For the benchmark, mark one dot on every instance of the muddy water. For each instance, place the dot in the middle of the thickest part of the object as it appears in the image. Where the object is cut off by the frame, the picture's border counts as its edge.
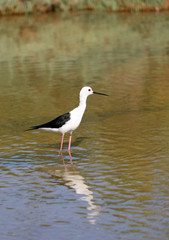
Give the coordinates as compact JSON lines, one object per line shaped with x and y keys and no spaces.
{"x":117,"y":187}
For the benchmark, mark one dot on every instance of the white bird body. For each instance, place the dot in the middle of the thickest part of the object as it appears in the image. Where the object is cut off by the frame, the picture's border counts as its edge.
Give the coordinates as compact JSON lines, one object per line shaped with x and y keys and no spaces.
{"x":75,"y":120}
{"x":70,"y":121}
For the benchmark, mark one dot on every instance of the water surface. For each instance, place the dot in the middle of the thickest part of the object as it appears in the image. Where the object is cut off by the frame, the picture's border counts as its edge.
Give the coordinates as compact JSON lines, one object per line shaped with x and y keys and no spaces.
{"x":117,"y":187}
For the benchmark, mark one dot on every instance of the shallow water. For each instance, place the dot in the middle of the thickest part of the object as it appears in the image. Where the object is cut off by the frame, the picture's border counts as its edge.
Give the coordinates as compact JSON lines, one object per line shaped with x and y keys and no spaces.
{"x":117,"y":187}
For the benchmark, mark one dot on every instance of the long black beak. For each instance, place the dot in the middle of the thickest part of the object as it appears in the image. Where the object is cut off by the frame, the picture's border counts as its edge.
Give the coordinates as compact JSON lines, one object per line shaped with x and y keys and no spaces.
{"x":100,"y":93}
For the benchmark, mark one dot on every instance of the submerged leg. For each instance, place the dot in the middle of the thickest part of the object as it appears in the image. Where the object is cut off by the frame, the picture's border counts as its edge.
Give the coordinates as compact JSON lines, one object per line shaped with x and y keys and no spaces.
{"x":70,"y":138}
{"x":62,"y":159}
{"x":61,"y":145}
{"x":70,"y":157}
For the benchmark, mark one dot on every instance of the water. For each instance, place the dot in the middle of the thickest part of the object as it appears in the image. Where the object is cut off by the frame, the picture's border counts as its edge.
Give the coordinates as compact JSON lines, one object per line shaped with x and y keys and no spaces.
{"x":117,"y":187}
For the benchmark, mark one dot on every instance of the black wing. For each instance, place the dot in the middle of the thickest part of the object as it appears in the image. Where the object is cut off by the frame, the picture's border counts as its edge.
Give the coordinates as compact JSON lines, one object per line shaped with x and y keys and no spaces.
{"x":56,"y":123}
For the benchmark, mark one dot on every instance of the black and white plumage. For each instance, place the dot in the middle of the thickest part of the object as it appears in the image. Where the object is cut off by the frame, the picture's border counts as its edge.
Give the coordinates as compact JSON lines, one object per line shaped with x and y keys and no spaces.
{"x":55,"y":124}
{"x":68,"y":122}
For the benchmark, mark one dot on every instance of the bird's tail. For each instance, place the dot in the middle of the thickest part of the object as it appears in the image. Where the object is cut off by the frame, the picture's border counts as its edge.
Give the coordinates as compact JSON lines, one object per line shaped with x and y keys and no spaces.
{"x":31,"y":128}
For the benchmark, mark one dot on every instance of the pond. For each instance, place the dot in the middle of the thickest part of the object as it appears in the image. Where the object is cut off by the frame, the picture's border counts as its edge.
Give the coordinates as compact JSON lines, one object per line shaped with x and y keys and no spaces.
{"x":118,"y":185}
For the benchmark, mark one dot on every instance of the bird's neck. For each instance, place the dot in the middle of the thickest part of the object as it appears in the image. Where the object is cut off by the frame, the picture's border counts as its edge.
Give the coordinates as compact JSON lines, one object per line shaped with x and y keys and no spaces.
{"x":82,"y":102}
{"x":79,"y":111}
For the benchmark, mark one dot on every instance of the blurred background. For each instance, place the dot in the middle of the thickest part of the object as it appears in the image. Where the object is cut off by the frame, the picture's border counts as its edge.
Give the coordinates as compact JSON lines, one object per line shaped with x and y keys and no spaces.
{"x":118,"y":185}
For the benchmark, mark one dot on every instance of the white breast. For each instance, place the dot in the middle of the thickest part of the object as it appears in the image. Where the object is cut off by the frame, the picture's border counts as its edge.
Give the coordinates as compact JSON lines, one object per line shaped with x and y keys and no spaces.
{"x":75,"y":119}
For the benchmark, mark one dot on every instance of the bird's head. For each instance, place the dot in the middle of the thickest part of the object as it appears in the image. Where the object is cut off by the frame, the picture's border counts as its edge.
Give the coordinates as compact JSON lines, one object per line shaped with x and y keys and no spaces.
{"x":86,"y":91}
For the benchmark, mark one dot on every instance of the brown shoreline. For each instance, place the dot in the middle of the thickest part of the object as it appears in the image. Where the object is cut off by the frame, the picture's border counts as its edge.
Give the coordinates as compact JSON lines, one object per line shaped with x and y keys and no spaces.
{"x":26,"y":7}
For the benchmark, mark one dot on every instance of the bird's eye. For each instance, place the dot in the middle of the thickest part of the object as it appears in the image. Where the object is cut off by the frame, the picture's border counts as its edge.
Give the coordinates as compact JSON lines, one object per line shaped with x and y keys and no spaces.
{"x":89,"y":89}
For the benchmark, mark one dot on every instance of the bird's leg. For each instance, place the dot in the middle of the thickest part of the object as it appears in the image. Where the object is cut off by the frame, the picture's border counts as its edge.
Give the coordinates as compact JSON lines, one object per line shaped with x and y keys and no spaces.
{"x":70,"y":138}
{"x":70,"y":157}
{"x":63,"y":159}
{"x":61,"y":145}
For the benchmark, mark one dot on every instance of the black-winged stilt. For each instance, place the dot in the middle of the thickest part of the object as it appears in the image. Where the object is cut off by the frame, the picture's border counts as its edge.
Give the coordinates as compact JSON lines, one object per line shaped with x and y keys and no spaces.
{"x":68,"y":122}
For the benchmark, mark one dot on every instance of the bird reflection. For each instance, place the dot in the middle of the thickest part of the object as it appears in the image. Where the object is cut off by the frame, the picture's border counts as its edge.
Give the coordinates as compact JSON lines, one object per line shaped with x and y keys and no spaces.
{"x":74,"y":180}
{"x":77,"y":182}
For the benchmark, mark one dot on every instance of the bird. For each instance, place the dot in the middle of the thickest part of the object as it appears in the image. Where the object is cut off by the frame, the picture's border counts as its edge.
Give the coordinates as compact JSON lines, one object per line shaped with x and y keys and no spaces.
{"x":69,"y":121}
